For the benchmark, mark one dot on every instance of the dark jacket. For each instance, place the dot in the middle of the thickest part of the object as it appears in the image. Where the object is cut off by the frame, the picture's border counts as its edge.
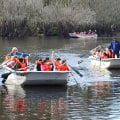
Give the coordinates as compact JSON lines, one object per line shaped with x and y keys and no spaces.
{"x":117,"y":46}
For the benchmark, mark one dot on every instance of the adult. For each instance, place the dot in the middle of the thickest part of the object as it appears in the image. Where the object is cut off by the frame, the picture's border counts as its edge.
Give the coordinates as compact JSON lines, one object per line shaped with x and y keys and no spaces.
{"x":115,"y":46}
{"x":14,"y":52}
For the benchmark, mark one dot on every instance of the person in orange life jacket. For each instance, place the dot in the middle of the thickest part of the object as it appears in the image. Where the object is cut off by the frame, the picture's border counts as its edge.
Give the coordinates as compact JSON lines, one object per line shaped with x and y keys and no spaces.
{"x":100,"y":53}
{"x":108,"y":52}
{"x":97,"y":55}
{"x":48,"y":64}
{"x":7,"y":57}
{"x":57,"y":63}
{"x":112,"y":53}
{"x":25,"y":58}
{"x":115,"y":46}
{"x":21,"y":63}
{"x":9,"y":62}
{"x":94,"y":52}
{"x":103,"y":54}
{"x":64,"y":66}
{"x":39,"y":63}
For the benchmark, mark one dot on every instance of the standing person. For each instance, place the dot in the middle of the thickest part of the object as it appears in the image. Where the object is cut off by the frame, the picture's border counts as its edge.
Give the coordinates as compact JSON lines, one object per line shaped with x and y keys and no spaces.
{"x":115,"y":46}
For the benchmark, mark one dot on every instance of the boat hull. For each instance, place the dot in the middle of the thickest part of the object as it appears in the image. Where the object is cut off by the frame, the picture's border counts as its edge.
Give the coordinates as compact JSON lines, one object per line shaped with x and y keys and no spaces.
{"x":110,"y":63}
{"x":38,"y":78}
{"x":74,"y":35}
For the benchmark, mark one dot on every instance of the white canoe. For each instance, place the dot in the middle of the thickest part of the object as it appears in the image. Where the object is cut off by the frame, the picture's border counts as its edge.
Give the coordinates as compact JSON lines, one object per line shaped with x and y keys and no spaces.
{"x":37,"y":77}
{"x":110,"y":63}
{"x":75,"y":35}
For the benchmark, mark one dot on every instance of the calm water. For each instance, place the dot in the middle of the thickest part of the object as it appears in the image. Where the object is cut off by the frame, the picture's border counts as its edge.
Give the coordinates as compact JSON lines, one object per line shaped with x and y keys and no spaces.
{"x":95,"y":96}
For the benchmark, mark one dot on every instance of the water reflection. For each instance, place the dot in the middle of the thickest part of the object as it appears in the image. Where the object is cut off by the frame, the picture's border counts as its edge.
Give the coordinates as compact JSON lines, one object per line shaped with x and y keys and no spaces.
{"x":34,"y":102}
{"x":83,"y":44}
{"x":95,"y":101}
{"x":13,"y":101}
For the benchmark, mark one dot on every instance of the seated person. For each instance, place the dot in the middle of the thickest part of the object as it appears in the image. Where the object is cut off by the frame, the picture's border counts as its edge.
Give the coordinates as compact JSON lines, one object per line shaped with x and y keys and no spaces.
{"x":14,"y":52}
{"x":57,"y":63}
{"x":64,"y":66}
{"x":20,"y":64}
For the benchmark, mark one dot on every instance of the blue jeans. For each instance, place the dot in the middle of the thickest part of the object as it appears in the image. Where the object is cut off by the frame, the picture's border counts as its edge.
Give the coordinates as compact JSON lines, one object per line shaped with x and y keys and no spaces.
{"x":116,"y":53}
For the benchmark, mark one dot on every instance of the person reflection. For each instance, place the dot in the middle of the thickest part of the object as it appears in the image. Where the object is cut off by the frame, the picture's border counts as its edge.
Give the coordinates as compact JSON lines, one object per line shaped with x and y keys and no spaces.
{"x":102,"y":88}
{"x":55,"y":107}
{"x":14,"y":102}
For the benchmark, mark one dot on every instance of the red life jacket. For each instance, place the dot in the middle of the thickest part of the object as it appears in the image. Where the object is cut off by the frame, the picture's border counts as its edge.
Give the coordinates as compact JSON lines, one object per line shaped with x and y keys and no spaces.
{"x":22,"y":65}
{"x":109,"y":53}
{"x":47,"y":66}
{"x":64,"y":68}
{"x":104,"y":56}
{"x":57,"y":64}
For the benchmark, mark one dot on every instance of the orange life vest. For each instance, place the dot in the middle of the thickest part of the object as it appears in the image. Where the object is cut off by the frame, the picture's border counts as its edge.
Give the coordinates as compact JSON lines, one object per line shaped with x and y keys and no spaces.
{"x":64,"y":67}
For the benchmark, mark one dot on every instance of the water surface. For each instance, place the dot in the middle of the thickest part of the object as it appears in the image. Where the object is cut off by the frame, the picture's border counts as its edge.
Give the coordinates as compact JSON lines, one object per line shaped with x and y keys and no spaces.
{"x":95,"y":96}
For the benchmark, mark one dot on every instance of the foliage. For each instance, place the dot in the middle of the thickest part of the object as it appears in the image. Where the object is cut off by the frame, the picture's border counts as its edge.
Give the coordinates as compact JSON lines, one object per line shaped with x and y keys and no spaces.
{"x":33,"y":17}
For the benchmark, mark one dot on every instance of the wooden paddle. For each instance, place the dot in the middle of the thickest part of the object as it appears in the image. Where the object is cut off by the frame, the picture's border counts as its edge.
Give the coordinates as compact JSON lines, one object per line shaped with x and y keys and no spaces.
{"x":52,"y":57}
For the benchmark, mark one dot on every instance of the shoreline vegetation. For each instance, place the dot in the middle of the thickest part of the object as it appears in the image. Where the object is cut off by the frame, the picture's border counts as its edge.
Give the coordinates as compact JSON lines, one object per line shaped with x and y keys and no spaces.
{"x":19,"y":18}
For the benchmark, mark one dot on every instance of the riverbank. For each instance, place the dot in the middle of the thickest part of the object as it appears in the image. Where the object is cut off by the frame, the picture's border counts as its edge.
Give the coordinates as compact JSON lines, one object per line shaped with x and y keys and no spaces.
{"x":20,"y":29}
{"x":57,"y":18}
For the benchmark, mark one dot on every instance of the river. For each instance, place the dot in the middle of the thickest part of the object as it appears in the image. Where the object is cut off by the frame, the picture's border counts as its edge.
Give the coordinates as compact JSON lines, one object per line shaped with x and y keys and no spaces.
{"x":95,"y":96}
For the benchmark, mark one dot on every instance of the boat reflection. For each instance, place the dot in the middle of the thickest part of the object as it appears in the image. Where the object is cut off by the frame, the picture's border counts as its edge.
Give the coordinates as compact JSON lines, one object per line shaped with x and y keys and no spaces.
{"x":115,"y":73}
{"x":41,"y":102}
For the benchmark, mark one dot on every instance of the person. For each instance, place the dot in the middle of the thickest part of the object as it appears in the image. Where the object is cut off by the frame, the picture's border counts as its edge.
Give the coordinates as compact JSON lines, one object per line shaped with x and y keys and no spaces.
{"x":9,"y":62}
{"x":39,"y":63}
{"x":14,"y":52}
{"x":21,"y":62}
{"x":110,"y":53}
{"x":107,"y":51}
{"x":64,"y":66}
{"x":57,"y":63}
{"x":48,"y":64}
{"x":115,"y":46}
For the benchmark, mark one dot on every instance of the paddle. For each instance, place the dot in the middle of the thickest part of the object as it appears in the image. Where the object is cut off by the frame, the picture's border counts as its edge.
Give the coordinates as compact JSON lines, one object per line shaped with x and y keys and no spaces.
{"x":75,"y":70}
{"x":52,"y":57}
{"x":82,"y":55}
{"x":5,"y":76}
{"x":74,"y":79}
{"x":3,"y":63}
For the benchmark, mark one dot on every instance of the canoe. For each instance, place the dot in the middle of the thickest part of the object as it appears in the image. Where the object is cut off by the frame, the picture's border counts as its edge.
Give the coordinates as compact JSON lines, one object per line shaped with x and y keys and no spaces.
{"x":75,"y":35}
{"x":109,"y":63}
{"x":34,"y":77}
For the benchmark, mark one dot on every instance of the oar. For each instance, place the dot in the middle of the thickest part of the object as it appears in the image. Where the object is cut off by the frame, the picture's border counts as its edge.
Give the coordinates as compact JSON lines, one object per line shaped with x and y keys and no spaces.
{"x":82,"y":55}
{"x":52,"y":57}
{"x":5,"y":76}
{"x":3,"y":63}
{"x":74,"y":78}
{"x":75,"y":70}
